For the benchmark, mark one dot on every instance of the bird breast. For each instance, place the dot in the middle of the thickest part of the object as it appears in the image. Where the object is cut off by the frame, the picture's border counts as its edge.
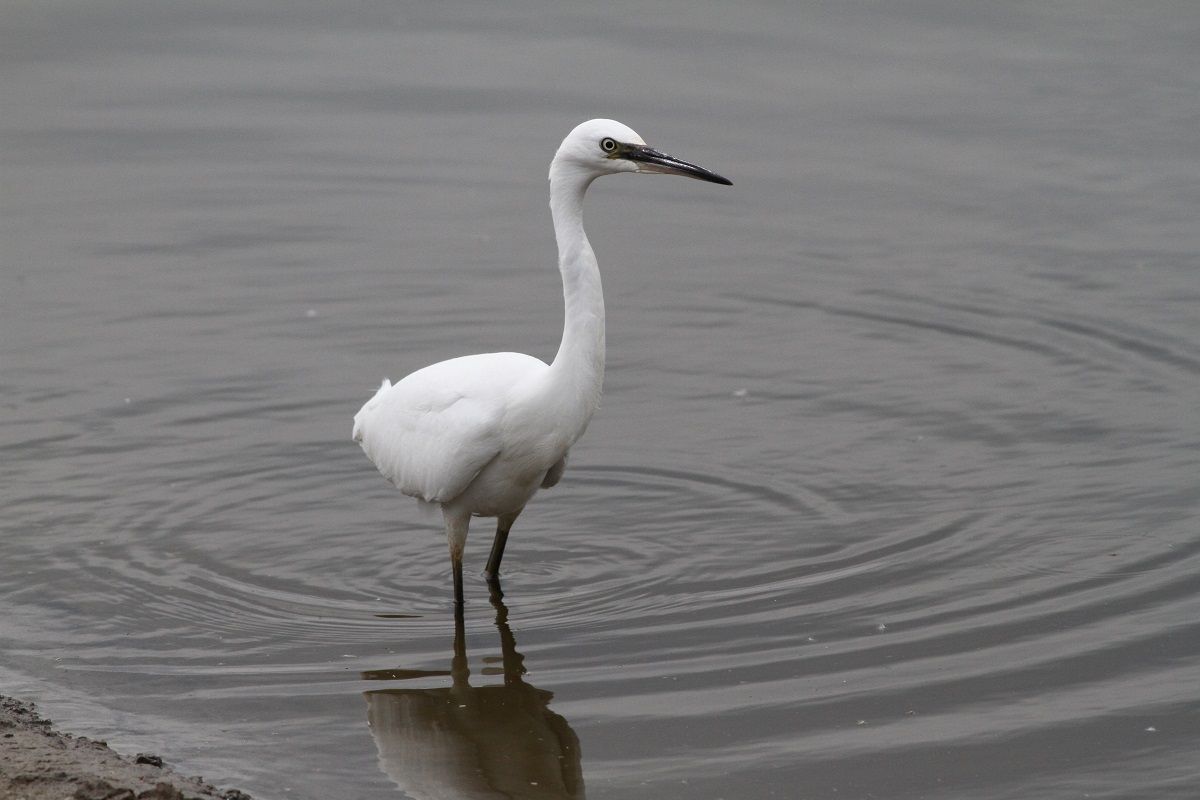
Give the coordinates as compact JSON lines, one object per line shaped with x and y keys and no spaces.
{"x":541,"y":421}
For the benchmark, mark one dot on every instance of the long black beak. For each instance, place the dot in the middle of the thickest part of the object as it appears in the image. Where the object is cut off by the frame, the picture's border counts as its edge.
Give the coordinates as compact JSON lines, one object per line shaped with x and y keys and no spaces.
{"x":651,"y":160}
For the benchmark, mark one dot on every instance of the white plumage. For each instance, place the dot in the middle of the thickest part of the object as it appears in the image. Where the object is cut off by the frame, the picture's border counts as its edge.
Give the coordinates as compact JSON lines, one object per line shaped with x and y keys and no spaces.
{"x":405,"y":429}
{"x":479,"y":435}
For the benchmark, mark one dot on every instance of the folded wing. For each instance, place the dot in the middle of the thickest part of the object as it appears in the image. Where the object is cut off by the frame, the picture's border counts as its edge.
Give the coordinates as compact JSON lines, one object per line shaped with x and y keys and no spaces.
{"x":433,"y":432}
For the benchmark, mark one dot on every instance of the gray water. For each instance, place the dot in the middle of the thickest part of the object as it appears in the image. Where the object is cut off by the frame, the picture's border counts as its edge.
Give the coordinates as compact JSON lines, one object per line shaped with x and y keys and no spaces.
{"x":893,"y":492}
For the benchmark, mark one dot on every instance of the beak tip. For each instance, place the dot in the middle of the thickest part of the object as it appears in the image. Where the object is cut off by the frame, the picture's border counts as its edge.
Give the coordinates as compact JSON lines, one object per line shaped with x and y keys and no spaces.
{"x":713,"y":177}
{"x":647,"y":159}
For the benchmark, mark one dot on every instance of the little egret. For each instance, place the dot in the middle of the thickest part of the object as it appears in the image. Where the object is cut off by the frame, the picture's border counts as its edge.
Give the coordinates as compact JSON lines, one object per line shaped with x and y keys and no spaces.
{"x":479,"y":435}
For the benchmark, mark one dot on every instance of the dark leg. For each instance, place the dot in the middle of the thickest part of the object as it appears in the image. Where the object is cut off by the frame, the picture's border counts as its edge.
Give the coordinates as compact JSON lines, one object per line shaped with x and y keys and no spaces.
{"x":456,"y":536}
{"x":456,"y":565}
{"x":503,"y":526}
{"x":492,"y":570}
{"x":494,"y":591}
{"x":460,"y":640}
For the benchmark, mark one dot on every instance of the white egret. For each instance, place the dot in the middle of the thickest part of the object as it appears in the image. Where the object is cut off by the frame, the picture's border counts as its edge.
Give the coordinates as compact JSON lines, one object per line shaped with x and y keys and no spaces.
{"x":479,"y":435}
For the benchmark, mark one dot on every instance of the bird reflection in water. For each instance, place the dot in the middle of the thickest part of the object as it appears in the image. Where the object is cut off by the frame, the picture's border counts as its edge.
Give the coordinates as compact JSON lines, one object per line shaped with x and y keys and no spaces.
{"x":474,"y":742}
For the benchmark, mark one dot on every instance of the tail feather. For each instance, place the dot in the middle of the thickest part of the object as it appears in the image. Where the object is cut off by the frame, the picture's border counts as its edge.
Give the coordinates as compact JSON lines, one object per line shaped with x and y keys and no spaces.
{"x":360,"y":419}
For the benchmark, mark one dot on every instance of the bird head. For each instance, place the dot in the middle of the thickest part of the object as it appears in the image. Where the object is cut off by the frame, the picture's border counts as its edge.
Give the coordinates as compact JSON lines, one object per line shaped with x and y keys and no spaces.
{"x":605,"y":147}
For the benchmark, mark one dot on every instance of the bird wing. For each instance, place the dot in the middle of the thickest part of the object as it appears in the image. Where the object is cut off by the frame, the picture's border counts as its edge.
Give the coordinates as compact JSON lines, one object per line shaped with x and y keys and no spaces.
{"x":433,"y":432}
{"x":555,"y":473}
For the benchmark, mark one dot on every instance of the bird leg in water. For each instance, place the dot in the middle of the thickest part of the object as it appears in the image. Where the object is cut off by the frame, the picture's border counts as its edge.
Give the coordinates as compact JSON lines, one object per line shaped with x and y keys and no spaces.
{"x":456,"y":566}
{"x":492,"y":570}
{"x":459,"y":664}
{"x":503,"y":526}
{"x":495,"y":592}
{"x":456,"y":536}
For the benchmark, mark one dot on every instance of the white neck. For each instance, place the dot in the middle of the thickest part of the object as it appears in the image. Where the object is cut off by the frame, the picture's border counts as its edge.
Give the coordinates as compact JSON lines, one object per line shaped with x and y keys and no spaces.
{"x":578,"y":368}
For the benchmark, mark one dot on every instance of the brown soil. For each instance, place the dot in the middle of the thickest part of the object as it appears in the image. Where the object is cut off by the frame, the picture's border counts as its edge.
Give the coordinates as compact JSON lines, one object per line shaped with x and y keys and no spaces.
{"x":39,"y":763}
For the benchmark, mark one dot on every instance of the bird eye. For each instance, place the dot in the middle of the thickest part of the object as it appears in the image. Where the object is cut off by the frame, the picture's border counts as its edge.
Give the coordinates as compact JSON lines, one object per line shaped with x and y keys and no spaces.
{"x":608,"y":145}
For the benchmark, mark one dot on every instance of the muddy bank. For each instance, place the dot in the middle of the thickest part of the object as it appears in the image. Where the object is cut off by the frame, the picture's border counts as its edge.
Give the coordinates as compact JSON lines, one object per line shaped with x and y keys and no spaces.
{"x":39,"y":763}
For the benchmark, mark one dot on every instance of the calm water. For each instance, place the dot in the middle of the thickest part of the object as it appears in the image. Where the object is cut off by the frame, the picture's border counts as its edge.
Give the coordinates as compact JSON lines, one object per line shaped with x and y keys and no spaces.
{"x":894,"y":490}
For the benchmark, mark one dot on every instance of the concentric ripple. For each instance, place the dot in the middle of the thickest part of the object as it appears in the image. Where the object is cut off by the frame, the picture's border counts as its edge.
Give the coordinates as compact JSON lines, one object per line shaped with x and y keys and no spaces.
{"x":823,"y":621}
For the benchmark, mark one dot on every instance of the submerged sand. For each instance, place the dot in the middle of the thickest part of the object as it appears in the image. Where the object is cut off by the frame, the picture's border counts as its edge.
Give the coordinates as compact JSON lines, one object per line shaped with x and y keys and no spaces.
{"x":40,"y":763}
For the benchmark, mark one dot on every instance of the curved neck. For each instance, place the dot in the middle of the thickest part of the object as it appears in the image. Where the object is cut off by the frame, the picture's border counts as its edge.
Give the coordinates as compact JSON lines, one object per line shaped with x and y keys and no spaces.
{"x":579,"y":364}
